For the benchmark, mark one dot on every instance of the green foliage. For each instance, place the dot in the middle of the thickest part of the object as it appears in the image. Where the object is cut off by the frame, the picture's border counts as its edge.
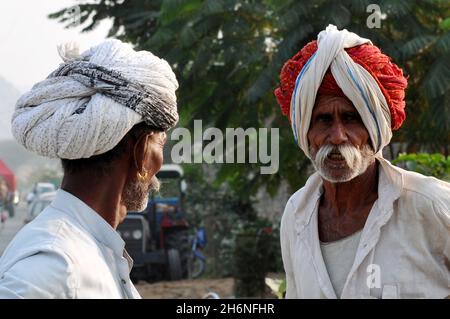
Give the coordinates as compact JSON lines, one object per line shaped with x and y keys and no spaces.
{"x":282,"y":289}
{"x":227,"y":55}
{"x":216,"y":208}
{"x":233,"y":227}
{"x":254,"y":254}
{"x":436,"y":165}
{"x":445,"y":24}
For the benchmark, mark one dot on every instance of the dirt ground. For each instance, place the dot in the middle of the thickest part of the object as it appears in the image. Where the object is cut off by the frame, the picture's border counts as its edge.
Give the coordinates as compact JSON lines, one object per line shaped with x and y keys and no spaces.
{"x":191,"y":289}
{"x":186,"y":289}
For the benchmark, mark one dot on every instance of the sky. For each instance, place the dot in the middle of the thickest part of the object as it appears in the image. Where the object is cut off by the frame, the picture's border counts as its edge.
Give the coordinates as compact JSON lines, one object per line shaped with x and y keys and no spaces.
{"x":28,"y":47}
{"x":28,"y":39}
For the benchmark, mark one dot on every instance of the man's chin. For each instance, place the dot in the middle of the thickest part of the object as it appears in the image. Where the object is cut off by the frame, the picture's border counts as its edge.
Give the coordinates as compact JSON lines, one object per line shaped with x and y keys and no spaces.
{"x":338,"y":177}
{"x":138,"y":207}
{"x":142,"y":207}
{"x":135,"y":196}
{"x":135,"y":205}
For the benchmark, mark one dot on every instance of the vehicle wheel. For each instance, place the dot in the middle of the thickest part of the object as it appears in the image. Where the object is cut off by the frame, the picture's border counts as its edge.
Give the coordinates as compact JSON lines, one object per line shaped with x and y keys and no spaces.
{"x":137,"y":273}
{"x":134,"y":279}
{"x":196,"y":267}
{"x":174,"y":264}
{"x":180,"y":241}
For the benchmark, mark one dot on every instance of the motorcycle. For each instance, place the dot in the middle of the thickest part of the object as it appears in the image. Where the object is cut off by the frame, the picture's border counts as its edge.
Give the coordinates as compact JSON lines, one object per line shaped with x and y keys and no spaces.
{"x":197,"y":261}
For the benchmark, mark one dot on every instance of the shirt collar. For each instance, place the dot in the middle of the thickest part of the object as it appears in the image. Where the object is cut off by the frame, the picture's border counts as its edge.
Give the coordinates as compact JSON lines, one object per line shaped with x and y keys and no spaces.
{"x":306,"y":202}
{"x":390,"y":184}
{"x":90,"y":220}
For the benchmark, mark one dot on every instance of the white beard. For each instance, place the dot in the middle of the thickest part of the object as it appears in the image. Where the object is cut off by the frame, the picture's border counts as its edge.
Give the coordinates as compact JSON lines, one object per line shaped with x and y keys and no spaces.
{"x":356,"y":161}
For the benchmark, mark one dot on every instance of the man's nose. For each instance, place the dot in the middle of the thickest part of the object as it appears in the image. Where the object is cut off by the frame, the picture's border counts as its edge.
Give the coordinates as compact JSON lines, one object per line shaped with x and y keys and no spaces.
{"x":338,"y":134}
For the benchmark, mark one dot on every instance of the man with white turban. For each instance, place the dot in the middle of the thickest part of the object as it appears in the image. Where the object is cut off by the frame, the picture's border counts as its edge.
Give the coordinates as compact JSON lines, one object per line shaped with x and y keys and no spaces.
{"x":104,"y":113}
{"x":360,"y":227}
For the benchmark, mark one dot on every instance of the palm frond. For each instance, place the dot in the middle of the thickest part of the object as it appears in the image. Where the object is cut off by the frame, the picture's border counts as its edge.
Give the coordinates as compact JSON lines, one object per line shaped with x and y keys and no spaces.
{"x":417,"y":45}
{"x":436,"y":81}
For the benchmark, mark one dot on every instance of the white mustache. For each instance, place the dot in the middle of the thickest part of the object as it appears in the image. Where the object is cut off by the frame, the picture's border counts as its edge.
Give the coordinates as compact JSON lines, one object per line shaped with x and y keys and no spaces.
{"x":350,"y":153}
{"x":357,"y":161}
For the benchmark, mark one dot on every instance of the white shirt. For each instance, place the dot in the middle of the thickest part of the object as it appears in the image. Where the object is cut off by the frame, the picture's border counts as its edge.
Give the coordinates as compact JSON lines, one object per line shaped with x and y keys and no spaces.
{"x":404,"y":250}
{"x":338,"y":256}
{"x":68,"y":251}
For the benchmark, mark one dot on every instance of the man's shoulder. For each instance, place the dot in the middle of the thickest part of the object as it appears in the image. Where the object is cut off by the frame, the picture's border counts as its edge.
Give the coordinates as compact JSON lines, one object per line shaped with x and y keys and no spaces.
{"x":51,"y":231}
{"x":36,"y":263}
{"x":425,"y":188}
{"x":427,"y":185}
{"x":425,"y":196}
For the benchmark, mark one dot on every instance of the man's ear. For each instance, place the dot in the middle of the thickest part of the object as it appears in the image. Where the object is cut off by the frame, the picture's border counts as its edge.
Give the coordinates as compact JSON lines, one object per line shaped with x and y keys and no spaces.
{"x":140,"y":153}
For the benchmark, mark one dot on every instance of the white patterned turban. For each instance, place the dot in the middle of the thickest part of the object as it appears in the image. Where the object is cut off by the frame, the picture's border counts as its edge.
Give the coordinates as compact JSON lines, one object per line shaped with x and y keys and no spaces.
{"x":88,"y":104}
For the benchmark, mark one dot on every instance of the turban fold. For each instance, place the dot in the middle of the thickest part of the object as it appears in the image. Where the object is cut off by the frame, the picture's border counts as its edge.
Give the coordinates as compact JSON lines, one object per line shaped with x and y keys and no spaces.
{"x":88,"y":104}
{"x":343,"y":64}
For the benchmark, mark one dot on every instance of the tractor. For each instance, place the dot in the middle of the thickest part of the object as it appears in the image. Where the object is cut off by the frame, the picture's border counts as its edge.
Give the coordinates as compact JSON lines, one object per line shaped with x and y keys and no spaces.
{"x":157,"y":239}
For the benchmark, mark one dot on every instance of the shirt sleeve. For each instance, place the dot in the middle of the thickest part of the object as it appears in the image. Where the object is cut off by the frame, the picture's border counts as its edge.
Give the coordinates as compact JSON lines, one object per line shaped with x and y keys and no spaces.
{"x":442,"y":210}
{"x":285,"y":233}
{"x":43,"y":275}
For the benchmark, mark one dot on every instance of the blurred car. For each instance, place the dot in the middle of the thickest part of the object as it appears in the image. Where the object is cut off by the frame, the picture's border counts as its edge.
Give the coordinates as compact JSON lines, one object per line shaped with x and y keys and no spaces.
{"x":40,"y":188}
{"x":38,"y":205}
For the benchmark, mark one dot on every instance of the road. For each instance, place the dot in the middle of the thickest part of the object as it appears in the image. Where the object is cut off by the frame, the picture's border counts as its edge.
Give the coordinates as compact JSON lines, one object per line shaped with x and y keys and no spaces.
{"x":11,"y":227}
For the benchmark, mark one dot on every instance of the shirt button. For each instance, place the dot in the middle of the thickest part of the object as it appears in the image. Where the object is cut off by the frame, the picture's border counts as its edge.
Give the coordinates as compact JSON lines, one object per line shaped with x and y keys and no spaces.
{"x":124,"y":281}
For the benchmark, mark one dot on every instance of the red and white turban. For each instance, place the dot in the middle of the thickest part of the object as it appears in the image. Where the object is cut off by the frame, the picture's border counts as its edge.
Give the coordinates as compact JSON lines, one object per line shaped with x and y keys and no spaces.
{"x":343,"y":64}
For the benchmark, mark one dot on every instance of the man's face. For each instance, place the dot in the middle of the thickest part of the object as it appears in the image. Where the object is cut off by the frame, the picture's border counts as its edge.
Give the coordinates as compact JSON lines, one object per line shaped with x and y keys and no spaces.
{"x":338,"y":140}
{"x":136,"y":191}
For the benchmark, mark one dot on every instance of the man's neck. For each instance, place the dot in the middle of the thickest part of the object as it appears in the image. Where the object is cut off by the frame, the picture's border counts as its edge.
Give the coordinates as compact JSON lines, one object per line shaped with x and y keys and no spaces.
{"x":103,"y":194}
{"x":349,"y":197}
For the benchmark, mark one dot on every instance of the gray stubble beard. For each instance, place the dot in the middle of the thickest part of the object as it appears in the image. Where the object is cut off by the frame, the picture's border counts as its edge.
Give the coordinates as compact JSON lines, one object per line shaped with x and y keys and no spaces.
{"x":135,"y":194}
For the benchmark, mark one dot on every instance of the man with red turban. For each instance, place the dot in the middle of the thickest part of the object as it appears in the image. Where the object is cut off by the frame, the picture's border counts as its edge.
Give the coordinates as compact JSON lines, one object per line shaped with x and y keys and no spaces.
{"x":360,"y":227}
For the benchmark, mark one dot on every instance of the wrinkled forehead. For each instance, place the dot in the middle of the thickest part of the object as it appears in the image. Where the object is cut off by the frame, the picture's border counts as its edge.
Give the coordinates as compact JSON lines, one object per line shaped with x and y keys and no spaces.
{"x":331,"y":103}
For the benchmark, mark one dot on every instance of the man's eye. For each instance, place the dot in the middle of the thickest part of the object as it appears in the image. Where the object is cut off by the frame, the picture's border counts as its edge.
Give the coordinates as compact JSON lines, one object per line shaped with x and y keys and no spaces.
{"x":350,"y":116}
{"x":324,"y":118}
